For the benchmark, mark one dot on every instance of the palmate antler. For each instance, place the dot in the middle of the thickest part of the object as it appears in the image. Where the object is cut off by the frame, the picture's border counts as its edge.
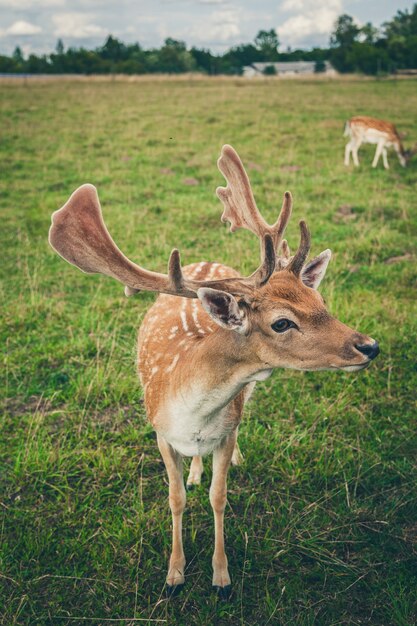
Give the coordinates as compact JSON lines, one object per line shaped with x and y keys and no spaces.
{"x":241,"y":211}
{"x":79,"y":234}
{"x":239,"y":204}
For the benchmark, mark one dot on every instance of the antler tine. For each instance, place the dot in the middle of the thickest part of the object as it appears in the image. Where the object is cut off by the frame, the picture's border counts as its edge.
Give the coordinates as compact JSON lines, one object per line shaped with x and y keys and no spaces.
{"x":175,"y":274}
{"x":285,"y":249}
{"x":265,"y":271}
{"x":296,"y":264}
{"x":283,"y":219}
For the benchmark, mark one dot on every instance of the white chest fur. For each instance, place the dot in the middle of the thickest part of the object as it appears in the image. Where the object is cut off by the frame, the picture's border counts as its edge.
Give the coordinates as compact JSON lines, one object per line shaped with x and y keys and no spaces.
{"x":196,"y":421}
{"x":197,"y":424}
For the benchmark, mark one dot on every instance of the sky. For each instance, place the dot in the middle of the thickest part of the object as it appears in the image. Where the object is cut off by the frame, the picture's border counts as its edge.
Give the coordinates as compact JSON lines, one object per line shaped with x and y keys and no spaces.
{"x":35,"y":25}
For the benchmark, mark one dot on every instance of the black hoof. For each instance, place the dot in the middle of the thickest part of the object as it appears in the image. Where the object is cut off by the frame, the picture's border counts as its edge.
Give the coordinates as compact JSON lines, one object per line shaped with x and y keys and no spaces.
{"x":223,"y":593}
{"x":172,"y":591}
{"x":190,"y":487}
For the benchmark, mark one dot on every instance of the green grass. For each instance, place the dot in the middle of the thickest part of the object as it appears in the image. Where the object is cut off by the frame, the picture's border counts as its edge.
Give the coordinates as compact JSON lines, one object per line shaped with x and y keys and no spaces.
{"x":322,"y":517}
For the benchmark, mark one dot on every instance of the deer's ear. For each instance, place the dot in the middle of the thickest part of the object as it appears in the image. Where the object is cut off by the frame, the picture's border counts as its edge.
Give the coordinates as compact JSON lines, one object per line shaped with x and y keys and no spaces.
{"x":313,"y":273}
{"x":223,"y":309}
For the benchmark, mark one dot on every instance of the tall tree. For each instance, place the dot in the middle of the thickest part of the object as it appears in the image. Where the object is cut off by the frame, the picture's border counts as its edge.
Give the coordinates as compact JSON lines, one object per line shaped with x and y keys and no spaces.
{"x":404,"y":24}
{"x":175,"y":44}
{"x":59,"y":48}
{"x":267,"y":42}
{"x":113,"y":49}
{"x":345,"y":32}
{"x":18,"y":55}
{"x":369,"y":33}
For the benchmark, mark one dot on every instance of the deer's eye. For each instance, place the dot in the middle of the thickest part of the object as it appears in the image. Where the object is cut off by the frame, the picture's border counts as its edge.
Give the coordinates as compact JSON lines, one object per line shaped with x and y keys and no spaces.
{"x":280,"y":326}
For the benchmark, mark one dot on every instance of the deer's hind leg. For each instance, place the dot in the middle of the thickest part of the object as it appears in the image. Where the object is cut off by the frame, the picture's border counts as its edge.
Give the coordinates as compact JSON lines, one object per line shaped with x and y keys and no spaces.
{"x":237,"y":456}
{"x":355,"y":148}
{"x":196,"y":470}
{"x":385,"y":158}
{"x":348,"y":150}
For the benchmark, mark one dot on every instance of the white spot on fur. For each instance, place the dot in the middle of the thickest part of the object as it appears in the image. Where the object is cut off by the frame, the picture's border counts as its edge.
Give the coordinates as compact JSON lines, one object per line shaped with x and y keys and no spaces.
{"x":212,"y":271}
{"x":173,"y":364}
{"x":194,"y":312}
{"x":183,"y":314}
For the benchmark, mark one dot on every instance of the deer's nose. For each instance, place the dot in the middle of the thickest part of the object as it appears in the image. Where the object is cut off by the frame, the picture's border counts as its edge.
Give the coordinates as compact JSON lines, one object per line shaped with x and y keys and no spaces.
{"x":371,"y":350}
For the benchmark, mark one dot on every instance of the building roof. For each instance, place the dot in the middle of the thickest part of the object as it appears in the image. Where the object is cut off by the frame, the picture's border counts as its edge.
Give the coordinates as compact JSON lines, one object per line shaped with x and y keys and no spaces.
{"x":286,"y":66}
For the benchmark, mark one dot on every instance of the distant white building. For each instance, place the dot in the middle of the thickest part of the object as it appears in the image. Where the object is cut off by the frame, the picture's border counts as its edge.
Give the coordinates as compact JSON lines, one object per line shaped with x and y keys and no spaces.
{"x":286,"y":68}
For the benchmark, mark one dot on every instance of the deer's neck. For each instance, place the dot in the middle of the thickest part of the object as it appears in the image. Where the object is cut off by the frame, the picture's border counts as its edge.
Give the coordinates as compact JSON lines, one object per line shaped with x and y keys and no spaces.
{"x":195,"y":412}
{"x":223,"y":361}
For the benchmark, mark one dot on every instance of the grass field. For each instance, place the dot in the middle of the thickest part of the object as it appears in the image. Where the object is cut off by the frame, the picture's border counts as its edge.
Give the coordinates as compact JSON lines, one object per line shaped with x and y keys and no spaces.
{"x":322,"y":517}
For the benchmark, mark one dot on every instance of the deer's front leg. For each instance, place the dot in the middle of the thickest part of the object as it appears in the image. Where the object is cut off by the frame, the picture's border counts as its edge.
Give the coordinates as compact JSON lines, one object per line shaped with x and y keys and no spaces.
{"x":173,"y":464}
{"x":218,"y":495}
{"x":378,"y":153}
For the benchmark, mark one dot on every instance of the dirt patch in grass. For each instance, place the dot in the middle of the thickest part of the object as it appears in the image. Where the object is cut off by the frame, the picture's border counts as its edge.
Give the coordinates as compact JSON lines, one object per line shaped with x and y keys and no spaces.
{"x":22,"y":406}
{"x":254,"y":166}
{"x":115,"y":418}
{"x":398,"y":259}
{"x":290,"y":168}
{"x":191,"y":182}
{"x":345,"y":213}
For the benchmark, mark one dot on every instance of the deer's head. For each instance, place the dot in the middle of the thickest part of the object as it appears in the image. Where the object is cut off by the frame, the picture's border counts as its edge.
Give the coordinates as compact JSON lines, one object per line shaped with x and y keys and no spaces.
{"x":277,"y":312}
{"x":284,"y":319}
{"x":408,"y":154}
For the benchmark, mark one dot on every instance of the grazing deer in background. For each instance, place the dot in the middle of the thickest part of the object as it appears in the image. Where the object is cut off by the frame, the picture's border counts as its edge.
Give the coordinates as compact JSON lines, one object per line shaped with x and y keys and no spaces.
{"x":362,"y":129}
{"x":211,"y":335}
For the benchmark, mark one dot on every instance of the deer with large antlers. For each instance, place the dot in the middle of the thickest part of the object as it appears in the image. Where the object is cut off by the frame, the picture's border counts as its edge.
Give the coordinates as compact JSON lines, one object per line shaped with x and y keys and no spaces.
{"x":211,"y":335}
{"x":362,"y":129}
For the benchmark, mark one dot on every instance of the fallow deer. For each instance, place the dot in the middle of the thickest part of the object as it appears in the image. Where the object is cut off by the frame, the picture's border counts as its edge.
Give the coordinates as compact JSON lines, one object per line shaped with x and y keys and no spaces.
{"x":362,"y":129}
{"x":211,"y":335}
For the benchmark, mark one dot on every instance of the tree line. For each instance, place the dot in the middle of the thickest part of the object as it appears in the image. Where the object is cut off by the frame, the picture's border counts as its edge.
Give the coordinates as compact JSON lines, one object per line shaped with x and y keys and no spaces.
{"x":365,"y":49}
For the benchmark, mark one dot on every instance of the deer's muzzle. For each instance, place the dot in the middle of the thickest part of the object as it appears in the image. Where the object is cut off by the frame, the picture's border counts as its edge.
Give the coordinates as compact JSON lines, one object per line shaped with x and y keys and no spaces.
{"x":369,"y":350}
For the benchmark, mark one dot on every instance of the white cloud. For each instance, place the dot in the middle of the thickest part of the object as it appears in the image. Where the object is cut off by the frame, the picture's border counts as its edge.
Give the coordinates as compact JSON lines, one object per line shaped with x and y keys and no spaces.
{"x":311,"y":19}
{"x":22,"y":5}
{"x":23,"y":28}
{"x":221,"y":26}
{"x":293,"y":5}
{"x":77,"y":26}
